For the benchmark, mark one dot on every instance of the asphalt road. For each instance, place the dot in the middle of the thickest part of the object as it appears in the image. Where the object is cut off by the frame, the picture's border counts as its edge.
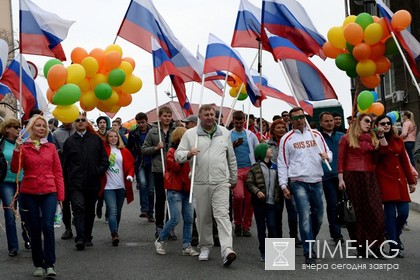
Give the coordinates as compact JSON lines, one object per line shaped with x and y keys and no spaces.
{"x":135,"y":257}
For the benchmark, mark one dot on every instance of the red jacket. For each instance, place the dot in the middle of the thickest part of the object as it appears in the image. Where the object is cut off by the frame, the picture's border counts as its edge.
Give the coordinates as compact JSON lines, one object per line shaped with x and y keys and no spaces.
{"x":356,"y":159}
{"x":176,"y":176}
{"x":42,"y":173}
{"x":128,"y":170}
{"x":393,"y":171}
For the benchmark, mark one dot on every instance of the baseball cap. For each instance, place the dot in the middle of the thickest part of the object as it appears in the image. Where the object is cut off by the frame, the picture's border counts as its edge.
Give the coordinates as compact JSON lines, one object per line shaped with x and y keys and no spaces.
{"x":190,"y":118}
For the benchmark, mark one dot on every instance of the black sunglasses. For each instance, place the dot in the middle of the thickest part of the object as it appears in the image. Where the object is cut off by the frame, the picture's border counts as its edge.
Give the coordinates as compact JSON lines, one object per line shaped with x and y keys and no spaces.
{"x":15,"y":126}
{"x":80,"y":120}
{"x":298,"y":117}
{"x":367,"y":121}
{"x":385,"y":123}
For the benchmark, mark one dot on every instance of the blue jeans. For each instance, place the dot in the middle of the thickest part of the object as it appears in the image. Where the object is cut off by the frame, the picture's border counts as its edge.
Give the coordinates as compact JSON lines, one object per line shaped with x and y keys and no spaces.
{"x":310,"y":208}
{"x":40,"y":213}
{"x":331,"y":196}
{"x":396,"y":214}
{"x":409,"y":145}
{"x":146,"y":187}
{"x":179,"y":205}
{"x":7,"y":191}
{"x":114,"y":200}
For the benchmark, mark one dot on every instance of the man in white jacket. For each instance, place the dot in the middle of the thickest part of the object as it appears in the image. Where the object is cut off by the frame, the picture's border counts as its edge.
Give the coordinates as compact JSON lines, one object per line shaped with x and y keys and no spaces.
{"x":215,"y":174}
{"x":300,"y":173}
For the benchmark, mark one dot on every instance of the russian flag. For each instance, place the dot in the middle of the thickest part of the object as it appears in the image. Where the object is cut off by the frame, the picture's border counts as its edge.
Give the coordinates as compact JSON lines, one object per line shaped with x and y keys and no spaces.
{"x":32,"y":97}
{"x":162,"y":67}
{"x":211,"y":80}
{"x":41,"y":32}
{"x":288,"y":19}
{"x":308,"y":82}
{"x":271,"y":91}
{"x":247,"y":27}
{"x":404,"y":37}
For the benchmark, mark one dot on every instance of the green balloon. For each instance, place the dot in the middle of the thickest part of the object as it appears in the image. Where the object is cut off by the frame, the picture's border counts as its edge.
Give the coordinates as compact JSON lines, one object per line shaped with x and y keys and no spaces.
{"x":242,"y":96}
{"x":50,"y":63}
{"x":390,"y":47}
{"x":103,"y":91}
{"x":345,"y":62}
{"x":351,"y":73}
{"x":133,"y":127}
{"x":349,"y":47}
{"x":116,"y":77}
{"x":364,"y":19}
{"x":365,"y":99}
{"x":67,"y":94}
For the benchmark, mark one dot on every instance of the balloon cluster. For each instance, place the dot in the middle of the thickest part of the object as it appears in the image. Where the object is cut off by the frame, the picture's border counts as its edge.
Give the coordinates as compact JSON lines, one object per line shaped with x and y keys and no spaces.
{"x":393,"y":116}
{"x":99,"y":79}
{"x":361,"y":45}
{"x":366,"y":103}
{"x":235,"y":83}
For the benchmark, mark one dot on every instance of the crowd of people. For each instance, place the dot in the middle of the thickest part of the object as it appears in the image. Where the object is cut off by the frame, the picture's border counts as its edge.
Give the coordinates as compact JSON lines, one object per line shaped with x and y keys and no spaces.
{"x":217,"y":179}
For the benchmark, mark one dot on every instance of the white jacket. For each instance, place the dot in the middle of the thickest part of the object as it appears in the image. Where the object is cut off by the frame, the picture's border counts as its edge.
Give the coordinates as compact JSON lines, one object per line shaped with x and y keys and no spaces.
{"x":299,"y":159}
{"x":216,"y":162}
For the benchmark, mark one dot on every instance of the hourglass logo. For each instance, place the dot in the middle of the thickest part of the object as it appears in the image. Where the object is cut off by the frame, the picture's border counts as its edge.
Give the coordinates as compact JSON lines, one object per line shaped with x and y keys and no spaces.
{"x":280,"y":254}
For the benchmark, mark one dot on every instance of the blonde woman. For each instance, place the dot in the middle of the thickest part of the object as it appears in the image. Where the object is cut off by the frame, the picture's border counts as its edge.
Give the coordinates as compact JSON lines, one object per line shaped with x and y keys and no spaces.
{"x":42,"y":186}
{"x":356,"y":175}
{"x":408,"y":134}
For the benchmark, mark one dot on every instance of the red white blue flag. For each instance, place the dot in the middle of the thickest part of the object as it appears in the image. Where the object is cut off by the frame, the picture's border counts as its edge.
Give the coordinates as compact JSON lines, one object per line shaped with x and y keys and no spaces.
{"x":42,"y":32}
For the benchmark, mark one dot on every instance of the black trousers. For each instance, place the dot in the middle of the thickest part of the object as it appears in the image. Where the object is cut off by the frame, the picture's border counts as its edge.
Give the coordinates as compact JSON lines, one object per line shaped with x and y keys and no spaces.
{"x":83,"y":206}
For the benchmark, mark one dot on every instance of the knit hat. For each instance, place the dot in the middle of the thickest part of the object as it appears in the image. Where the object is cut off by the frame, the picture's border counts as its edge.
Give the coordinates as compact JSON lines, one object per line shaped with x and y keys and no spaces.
{"x":260,"y":151}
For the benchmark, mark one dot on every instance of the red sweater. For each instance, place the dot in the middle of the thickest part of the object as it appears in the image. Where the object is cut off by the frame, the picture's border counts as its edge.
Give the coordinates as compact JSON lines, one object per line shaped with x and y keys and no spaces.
{"x":42,"y":173}
{"x":128,"y":170}
{"x":176,"y":174}
{"x":356,"y":159}
{"x":393,"y":171}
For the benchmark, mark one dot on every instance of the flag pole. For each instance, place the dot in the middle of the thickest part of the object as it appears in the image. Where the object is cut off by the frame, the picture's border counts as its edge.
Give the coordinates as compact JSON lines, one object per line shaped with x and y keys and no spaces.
{"x":406,"y":62}
{"x":20,"y":89}
{"x":223,"y":99}
{"x":194,"y":158}
{"x":297,"y":104}
{"x":260,"y":72}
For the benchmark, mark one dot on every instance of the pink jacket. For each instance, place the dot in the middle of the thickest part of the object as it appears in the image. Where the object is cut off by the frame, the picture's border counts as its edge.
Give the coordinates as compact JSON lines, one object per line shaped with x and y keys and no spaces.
{"x":409,"y":131}
{"x":42,"y":170}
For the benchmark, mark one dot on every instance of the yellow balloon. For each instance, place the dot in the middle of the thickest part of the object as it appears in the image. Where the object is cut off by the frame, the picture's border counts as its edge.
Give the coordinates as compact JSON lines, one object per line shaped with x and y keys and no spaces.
{"x":243,"y":90}
{"x":373,"y":33}
{"x":234,"y":92}
{"x":366,"y":68}
{"x":112,"y":100}
{"x":75,"y":73}
{"x":349,"y":19}
{"x":127,"y":68}
{"x":66,"y":114}
{"x":98,"y":79}
{"x":84,"y":85}
{"x":132,"y":84}
{"x":91,"y":66}
{"x":89,"y":99}
{"x":336,"y":37}
{"x":114,"y":48}
{"x":86,"y":108}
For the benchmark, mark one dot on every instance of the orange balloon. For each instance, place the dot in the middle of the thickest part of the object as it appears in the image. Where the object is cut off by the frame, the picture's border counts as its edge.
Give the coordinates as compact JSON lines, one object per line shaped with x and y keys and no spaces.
{"x":377,"y":50}
{"x":376,"y":108}
{"x":375,"y":18}
{"x":125,"y":99}
{"x":99,"y":55}
{"x":382,"y":65}
{"x":371,"y":81}
{"x":331,"y":51}
{"x":401,"y":20}
{"x":233,"y":81}
{"x":361,"y":51}
{"x":353,"y":33}
{"x":86,"y":108}
{"x":130,"y":60}
{"x":50,"y":95}
{"x":385,"y":29}
{"x":57,"y":76}
{"x":78,"y":54}
{"x":112,"y":60}
{"x":102,"y":107}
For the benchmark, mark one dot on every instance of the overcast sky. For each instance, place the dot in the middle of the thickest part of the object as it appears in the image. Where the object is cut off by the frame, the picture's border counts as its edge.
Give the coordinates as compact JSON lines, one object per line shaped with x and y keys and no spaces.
{"x":97,"y":22}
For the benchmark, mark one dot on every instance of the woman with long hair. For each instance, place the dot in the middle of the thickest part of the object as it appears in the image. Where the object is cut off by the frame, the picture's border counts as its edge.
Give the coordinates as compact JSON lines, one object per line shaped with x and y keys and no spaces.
{"x":408,"y":134}
{"x":356,"y":174}
{"x":117,"y":183}
{"x":393,"y":172}
{"x":42,"y":186}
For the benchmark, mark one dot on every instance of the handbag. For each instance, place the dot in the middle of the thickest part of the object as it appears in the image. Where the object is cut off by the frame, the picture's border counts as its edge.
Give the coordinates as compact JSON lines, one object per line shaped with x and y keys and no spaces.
{"x":345,"y":210}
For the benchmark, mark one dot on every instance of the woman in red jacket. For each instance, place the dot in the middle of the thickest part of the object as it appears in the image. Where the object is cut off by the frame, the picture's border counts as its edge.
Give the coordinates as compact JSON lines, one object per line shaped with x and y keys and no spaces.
{"x":356,"y":174}
{"x":393,"y":172}
{"x":117,"y":182}
{"x":42,"y":186}
{"x":177,"y":185}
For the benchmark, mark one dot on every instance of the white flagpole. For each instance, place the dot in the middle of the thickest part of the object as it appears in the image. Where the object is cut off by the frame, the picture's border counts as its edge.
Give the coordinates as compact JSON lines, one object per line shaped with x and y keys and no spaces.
{"x":223,"y":99}
{"x":194,"y":158}
{"x":297,"y":104}
{"x":20,"y":90}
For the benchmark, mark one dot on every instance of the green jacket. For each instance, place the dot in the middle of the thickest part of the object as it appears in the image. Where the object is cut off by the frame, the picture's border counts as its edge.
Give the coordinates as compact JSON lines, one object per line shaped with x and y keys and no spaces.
{"x":255,"y":182}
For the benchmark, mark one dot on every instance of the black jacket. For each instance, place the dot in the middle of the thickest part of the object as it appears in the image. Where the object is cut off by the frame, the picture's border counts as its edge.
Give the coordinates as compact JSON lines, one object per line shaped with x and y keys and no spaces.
{"x":84,"y":161}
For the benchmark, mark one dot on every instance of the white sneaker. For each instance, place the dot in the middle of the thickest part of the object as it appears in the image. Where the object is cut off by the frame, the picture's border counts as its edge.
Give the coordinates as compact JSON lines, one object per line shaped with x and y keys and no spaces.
{"x":204,"y":254}
{"x":160,"y":249}
{"x":39,"y":272}
{"x":189,"y":251}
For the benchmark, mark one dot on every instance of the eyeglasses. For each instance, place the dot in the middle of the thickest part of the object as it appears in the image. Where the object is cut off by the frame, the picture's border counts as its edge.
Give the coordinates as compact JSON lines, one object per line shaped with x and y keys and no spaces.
{"x":285,"y":115}
{"x":15,"y":126}
{"x":367,"y":121}
{"x":298,"y":117}
{"x":385,"y":123}
{"x":80,"y":120}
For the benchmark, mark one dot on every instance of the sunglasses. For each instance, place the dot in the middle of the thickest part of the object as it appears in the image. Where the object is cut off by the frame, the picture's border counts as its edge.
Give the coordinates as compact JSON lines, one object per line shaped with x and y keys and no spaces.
{"x":385,"y":123}
{"x":285,"y":115}
{"x":367,"y":121}
{"x":298,"y":117}
{"x":80,"y":120}
{"x":15,"y":126}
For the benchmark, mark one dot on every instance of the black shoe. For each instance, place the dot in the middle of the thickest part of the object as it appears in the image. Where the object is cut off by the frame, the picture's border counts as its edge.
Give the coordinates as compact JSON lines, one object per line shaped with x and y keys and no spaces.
{"x":99,"y":212}
{"x":238,"y":230}
{"x":143,"y":215}
{"x":28,"y":245}
{"x":115,"y":239}
{"x":13,"y":253}
{"x":67,"y":234}
{"x":309,"y":260}
{"x":150,"y":218}
{"x":80,"y":245}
